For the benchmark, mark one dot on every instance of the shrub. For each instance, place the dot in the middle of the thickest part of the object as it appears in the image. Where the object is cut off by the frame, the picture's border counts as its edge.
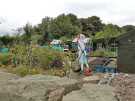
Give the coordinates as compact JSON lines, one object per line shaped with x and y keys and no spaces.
{"x":47,"y":58}
{"x":5,"y":58}
{"x":43,"y":58}
{"x":55,"y":72}
{"x":20,"y":53}
{"x":23,"y":70}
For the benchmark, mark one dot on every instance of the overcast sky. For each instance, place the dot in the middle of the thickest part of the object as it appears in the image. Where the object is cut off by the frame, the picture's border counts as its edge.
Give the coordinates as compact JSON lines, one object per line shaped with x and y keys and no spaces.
{"x":15,"y":13}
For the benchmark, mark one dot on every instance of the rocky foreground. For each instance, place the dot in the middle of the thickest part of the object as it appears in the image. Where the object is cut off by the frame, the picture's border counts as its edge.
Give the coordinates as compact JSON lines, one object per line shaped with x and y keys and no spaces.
{"x":35,"y":88}
{"x":91,"y":92}
{"x":124,"y":85}
{"x":52,"y":88}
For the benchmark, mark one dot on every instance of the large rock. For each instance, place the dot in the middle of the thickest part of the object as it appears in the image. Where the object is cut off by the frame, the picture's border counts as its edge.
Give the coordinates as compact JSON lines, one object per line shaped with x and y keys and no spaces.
{"x":37,"y":88}
{"x":7,"y":76}
{"x":91,"y":92}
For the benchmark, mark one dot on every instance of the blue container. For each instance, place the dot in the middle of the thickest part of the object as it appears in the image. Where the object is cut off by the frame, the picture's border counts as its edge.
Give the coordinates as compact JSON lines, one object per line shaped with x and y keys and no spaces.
{"x":110,"y":70}
{"x":4,"y":50}
{"x":104,"y":69}
{"x":99,"y":68}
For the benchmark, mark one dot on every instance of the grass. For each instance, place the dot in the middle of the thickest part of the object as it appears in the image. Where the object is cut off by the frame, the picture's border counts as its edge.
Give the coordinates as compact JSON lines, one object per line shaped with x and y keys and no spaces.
{"x":23,"y":70}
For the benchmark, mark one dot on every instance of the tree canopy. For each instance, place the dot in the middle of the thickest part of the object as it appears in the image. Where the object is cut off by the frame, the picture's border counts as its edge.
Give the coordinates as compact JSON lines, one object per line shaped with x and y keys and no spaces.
{"x":67,"y":26}
{"x":109,"y":31}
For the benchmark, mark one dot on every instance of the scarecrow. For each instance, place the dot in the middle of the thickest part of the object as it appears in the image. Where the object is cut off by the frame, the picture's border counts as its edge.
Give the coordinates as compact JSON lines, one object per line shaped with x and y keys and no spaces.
{"x":82,"y":54}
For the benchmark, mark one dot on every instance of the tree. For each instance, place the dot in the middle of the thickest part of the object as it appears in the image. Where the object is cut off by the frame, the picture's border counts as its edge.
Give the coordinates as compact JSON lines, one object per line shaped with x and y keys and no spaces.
{"x":108,"y":32}
{"x":44,"y":26}
{"x":128,"y":28}
{"x":6,"y":40}
{"x":63,"y":26}
{"x":36,"y":30}
{"x":28,"y":30}
{"x":46,"y":38}
{"x":74,"y":20}
{"x":69,"y":25}
{"x":91,"y":25}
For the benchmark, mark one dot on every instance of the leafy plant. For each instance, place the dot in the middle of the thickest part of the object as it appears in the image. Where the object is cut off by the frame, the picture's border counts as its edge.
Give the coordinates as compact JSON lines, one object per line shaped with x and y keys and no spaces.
{"x":24,"y":70}
{"x":48,"y":58}
{"x":20,"y":54}
{"x":5,"y":58}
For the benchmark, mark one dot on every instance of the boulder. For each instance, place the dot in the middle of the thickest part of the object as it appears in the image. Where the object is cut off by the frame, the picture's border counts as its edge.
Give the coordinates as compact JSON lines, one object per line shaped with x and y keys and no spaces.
{"x":7,"y":76}
{"x":37,"y":88}
{"x":92,"y":92}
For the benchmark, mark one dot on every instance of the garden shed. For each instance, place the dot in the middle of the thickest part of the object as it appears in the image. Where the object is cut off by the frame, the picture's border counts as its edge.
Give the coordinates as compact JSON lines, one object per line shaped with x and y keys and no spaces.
{"x":126,"y":52}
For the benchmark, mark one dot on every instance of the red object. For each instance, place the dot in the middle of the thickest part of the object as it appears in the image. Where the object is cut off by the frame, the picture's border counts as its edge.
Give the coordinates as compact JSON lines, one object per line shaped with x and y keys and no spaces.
{"x":87,"y":72}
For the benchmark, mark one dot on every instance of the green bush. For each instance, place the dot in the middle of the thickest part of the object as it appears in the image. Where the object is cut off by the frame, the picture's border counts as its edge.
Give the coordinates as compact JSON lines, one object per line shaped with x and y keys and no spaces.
{"x":5,"y":58}
{"x":20,"y":53}
{"x":47,"y":57}
{"x":23,"y":70}
{"x":41,"y":57}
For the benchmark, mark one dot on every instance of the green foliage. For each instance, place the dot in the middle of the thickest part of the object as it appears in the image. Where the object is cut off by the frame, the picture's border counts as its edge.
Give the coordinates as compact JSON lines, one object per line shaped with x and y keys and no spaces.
{"x":108,"y":32}
{"x":45,"y":24}
{"x":74,"y":20}
{"x":24,"y":70}
{"x":128,"y":28}
{"x":28,"y":30}
{"x":20,"y":53}
{"x":55,"y":72}
{"x":5,"y":58}
{"x":46,"y":38}
{"x":63,"y":26}
{"x":44,"y":57}
{"x":91,"y":25}
{"x":36,"y":38}
{"x":21,"y":71}
{"x":65,"y":39}
{"x":7,"y":40}
{"x":41,"y":57}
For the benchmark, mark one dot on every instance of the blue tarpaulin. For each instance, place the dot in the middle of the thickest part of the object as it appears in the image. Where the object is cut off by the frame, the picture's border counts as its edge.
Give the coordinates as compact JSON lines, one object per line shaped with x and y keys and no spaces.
{"x":4,"y":50}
